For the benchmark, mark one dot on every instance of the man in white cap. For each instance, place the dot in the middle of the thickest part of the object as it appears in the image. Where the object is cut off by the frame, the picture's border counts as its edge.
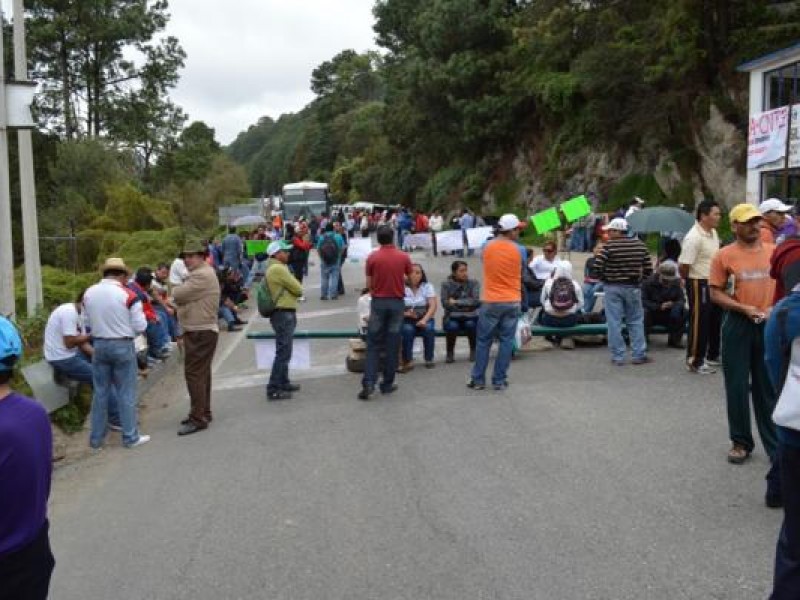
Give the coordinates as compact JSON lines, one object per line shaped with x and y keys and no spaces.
{"x":285,"y":290}
{"x":776,"y":225}
{"x":622,"y":265}
{"x":501,"y":296}
{"x":115,"y":315}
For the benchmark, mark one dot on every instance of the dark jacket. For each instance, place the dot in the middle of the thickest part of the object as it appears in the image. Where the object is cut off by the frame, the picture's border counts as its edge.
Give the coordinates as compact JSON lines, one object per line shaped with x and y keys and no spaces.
{"x":467,"y":296}
{"x":655,"y":292}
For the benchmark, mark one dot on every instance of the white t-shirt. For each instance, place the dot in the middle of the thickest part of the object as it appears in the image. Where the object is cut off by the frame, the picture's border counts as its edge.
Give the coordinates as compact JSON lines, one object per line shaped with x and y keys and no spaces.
{"x":178,"y":272}
{"x":419,"y":299}
{"x":436,"y":222}
{"x":543,"y":268}
{"x":63,"y":321}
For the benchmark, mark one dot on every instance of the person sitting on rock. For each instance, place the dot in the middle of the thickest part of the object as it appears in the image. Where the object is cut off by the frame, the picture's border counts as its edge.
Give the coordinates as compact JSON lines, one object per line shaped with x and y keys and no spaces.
{"x":664,"y":303}
{"x":461,"y":297}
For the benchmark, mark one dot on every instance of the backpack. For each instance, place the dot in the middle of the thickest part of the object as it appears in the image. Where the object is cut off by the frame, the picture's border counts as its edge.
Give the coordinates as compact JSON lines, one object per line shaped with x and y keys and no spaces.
{"x":329,"y":250}
{"x":266,"y":303}
{"x":562,"y":294}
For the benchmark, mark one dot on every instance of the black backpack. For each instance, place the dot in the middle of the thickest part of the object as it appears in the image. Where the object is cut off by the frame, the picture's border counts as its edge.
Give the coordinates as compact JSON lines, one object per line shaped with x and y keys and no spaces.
{"x":562,"y":294}
{"x":329,"y":250}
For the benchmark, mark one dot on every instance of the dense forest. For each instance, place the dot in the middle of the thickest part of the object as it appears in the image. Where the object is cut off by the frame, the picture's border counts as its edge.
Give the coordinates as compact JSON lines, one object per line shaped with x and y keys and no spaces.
{"x":511,"y":104}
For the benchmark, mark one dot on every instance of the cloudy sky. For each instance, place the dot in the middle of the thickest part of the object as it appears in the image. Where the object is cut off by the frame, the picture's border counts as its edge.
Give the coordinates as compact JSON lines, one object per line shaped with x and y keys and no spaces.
{"x":250,"y":58}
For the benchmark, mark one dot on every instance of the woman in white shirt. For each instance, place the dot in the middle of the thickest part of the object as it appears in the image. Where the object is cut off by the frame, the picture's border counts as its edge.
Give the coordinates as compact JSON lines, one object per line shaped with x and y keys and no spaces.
{"x":420,"y":308}
{"x":562,"y":302}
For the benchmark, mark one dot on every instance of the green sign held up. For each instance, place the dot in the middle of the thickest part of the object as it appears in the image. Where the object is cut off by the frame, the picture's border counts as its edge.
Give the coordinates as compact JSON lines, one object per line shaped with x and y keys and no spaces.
{"x":576,"y":208}
{"x":547,"y":220}
{"x":255,"y":246}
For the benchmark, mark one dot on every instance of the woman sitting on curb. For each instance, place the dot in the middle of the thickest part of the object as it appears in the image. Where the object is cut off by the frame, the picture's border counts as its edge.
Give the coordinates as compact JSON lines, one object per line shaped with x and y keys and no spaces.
{"x":461,"y":297}
{"x":420,"y":307}
{"x":562,"y":302}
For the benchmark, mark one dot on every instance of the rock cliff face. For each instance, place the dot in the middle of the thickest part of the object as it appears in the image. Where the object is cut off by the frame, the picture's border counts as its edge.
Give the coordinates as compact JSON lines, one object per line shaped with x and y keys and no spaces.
{"x":719,"y":146}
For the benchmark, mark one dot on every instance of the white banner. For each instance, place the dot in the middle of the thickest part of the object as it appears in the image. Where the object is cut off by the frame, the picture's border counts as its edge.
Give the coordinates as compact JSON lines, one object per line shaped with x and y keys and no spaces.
{"x":449,"y":241}
{"x":418,"y":240}
{"x":766,"y":140}
{"x":477,"y":237}
{"x":359,"y":248}
{"x":301,"y":354}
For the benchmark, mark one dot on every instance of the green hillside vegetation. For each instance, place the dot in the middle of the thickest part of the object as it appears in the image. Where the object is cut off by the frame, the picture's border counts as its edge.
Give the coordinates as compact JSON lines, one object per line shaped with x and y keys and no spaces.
{"x":437,"y":117}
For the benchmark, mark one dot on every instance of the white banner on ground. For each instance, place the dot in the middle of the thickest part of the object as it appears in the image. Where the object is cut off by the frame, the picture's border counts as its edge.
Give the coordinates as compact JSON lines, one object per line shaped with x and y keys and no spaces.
{"x":766,"y":139}
{"x":359,"y":248}
{"x":477,"y":237}
{"x":418,"y":240}
{"x":301,"y":354}
{"x":448,"y":241}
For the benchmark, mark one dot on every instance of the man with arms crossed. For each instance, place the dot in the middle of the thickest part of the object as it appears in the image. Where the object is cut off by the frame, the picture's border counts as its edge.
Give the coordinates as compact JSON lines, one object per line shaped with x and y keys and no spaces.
{"x":699,"y":247}
{"x":741,"y":285}
{"x":386,"y":271}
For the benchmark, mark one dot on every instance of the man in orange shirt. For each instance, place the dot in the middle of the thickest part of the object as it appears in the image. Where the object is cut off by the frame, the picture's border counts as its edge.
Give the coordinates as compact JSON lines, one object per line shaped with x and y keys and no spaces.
{"x":500,"y":303}
{"x":740,"y":284}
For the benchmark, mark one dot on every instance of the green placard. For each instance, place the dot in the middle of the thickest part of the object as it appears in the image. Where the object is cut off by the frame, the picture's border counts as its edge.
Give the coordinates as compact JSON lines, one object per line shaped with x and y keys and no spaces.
{"x":576,"y":208}
{"x":255,"y":246}
{"x":547,"y":220}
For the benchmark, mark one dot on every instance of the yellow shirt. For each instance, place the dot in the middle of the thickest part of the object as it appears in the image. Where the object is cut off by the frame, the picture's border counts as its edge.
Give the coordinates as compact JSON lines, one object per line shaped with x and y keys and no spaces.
{"x":697,"y":250}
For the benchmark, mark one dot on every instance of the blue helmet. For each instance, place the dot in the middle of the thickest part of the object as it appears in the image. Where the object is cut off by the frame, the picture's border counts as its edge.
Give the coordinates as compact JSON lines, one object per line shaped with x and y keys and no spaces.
{"x":10,"y":345}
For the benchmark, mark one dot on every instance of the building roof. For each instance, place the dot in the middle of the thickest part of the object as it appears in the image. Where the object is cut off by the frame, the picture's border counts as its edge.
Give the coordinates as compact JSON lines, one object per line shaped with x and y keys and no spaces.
{"x":785,"y":55}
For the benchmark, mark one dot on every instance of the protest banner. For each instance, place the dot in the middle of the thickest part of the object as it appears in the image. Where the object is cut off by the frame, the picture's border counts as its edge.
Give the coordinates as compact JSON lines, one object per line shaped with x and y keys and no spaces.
{"x":359,"y":248}
{"x":418,"y":240}
{"x":545,"y":221}
{"x":253,"y":247}
{"x":576,"y":208}
{"x":450,"y":241}
{"x":477,"y":237}
{"x":766,"y":139}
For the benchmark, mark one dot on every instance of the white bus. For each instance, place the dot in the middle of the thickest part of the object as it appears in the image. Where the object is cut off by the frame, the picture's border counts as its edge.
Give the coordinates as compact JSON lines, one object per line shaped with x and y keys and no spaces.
{"x":305,"y":199}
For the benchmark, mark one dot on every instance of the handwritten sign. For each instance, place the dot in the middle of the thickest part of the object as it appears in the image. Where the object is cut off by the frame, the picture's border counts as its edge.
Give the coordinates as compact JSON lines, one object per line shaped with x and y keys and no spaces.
{"x":359,"y":248}
{"x":576,"y":208}
{"x":450,"y":241}
{"x":477,"y":237}
{"x":418,"y":240}
{"x":547,"y":220}
{"x":766,"y":137}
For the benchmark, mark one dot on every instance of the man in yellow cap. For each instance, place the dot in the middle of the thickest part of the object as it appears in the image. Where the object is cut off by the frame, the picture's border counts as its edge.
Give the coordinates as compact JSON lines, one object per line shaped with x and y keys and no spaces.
{"x":741,"y":286}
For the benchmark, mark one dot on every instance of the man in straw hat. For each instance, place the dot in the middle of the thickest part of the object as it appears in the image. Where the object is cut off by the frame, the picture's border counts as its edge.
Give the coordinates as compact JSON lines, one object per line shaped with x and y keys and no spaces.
{"x":197,"y":299}
{"x":116,"y":317}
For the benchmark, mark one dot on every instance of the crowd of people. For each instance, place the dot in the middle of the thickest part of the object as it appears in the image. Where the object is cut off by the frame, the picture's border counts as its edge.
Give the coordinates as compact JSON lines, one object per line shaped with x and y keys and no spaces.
{"x":739,"y":303}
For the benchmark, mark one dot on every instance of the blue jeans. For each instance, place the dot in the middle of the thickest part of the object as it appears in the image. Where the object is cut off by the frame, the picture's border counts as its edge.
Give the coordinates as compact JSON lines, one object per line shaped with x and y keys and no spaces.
{"x":79,"y":368}
{"x":330,"y":281}
{"x":410,"y":331}
{"x":624,"y":302}
{"x":465,"y":325}
{"x":169,"y":321}
{"x":383,"y":335}
{"x":226,"y":314}
{"x":577,"y":239}
{"x":495,"y":319}
{"x":283,"y":323}
{"x":589,"y":298}
{"x":787,"y":555}
{"x":114,"y":369}
{"x":157,"y":337}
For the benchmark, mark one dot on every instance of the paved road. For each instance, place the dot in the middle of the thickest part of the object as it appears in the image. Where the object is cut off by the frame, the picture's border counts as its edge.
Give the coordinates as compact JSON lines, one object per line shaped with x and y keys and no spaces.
{"x":582,"y":480}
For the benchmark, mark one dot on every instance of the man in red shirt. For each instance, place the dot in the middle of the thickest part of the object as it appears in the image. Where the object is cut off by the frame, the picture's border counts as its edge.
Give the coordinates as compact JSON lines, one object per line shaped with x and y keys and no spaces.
{"x":386,"y":271}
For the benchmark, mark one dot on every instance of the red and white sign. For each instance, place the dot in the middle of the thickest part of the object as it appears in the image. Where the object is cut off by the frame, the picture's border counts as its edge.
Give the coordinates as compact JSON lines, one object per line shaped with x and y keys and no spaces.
{"x":766,"y":140}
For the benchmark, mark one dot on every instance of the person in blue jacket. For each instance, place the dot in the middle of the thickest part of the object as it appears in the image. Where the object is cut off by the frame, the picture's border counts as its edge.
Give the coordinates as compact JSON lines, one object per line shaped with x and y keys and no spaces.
{"x":783,"y":327}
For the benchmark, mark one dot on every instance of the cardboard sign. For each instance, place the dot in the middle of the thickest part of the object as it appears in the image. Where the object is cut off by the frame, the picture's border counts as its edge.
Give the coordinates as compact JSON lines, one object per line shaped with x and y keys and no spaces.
{"x":547,"y":220}
{"x":450,"y":241}
{"x":576,"y":208}
{"x":359,"y":248}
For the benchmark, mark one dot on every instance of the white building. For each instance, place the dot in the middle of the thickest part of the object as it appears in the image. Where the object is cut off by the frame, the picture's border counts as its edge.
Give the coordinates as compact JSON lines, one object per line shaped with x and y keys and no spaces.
{"x":774,"y":85}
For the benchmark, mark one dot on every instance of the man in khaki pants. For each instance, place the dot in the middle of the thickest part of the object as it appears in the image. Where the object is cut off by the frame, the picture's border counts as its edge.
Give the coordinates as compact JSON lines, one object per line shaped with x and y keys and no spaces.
{"x":197,"y":299}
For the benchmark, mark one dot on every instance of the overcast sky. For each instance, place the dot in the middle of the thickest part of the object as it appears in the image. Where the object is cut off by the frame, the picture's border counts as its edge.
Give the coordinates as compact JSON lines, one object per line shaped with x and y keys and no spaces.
{"x":250,"y":58}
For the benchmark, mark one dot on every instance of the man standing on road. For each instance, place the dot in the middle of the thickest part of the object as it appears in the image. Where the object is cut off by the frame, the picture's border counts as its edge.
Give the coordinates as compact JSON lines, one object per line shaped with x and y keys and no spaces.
{"x":115,"y":316}
{"x":285,"y":290}
{"x":386,"y":270}
{"x":741,"y":285}
{"x":501,"y":297}
{"x":197,"y":299}
{"x":232,"y":249}
{"x":699,"y":247}
{"x":329,"y":248}
{"x":622,"y":265}
{"x":26,"y":466}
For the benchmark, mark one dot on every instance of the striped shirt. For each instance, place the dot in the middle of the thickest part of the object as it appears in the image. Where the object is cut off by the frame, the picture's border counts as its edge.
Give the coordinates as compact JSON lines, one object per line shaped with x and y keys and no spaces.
{"x":623,"y":261}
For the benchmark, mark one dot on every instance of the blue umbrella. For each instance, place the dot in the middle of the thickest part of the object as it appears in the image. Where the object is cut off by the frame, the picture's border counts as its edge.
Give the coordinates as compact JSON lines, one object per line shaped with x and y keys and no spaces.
{"x":660,"y":219}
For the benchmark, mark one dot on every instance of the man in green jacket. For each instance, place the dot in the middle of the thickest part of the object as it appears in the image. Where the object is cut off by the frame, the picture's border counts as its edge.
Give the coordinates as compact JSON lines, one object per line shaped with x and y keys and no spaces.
{"x":285,"y":290}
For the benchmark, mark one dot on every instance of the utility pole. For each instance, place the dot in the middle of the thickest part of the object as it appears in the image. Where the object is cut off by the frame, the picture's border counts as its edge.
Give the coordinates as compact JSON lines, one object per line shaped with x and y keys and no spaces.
{"x":7,"y":306}
{"x":30,"y":222}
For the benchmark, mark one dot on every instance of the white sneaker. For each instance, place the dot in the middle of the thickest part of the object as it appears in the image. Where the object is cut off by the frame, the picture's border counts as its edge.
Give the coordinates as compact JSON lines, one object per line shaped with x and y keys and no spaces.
{"x":143,"y":439}
{"x":703,"y":369}
{"x":713,"y":363}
